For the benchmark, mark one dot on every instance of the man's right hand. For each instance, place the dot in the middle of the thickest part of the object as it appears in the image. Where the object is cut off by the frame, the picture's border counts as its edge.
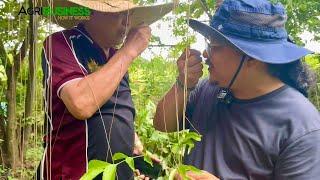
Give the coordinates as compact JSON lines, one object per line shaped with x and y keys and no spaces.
{"x":170,"y":107}
{"x":83,"y":97}
{"x":194,"y":67}
{"x":137,"y":41}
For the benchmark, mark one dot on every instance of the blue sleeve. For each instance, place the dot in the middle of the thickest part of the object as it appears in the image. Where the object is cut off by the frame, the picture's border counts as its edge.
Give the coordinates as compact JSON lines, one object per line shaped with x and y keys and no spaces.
{"x":300,"y":159}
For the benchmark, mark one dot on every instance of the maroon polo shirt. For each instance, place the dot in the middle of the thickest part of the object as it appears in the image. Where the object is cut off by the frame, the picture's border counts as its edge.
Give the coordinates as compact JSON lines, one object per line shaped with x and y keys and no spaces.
{"x":70,"y":55}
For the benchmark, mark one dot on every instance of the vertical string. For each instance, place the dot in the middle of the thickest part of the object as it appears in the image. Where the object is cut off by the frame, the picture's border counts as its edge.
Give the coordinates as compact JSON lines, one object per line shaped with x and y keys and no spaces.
{"x":49,"y":167}
{"x":117,"y":91}
{"x":22,"y":124}
{"x":35,"y":99}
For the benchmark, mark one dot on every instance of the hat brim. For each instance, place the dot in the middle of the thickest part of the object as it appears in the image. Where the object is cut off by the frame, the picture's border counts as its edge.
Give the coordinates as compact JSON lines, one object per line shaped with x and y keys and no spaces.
{"x":139,"y":14}
{"x":275,"y":52}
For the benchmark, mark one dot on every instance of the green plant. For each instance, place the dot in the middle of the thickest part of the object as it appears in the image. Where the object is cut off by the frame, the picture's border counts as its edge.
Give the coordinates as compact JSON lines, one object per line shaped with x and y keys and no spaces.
{"x":314,"y":63}
{"x":149,"y":80}
{"x":108,"y":169}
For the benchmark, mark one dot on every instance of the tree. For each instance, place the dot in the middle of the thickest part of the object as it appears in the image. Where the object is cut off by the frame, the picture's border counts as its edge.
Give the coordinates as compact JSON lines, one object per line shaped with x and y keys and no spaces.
{"x":19,"y":40}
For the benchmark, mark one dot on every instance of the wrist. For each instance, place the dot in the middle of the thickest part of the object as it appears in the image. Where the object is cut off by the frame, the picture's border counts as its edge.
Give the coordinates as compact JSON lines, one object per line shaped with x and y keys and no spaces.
{"x":181,"y":85}
{"x":128,"y":54}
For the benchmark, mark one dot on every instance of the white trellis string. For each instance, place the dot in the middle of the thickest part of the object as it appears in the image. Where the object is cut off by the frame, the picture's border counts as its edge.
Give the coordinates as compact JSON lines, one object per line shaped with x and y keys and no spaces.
{"x":117,"y":91}
{"x":22,"y":125}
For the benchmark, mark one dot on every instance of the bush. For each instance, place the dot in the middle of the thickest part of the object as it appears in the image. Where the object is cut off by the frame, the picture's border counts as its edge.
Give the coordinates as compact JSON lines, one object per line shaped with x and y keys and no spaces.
{"x":314,"y":63}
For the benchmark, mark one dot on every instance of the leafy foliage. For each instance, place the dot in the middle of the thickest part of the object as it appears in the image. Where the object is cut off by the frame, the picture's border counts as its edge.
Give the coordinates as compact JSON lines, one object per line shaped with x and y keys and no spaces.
{"x":314,"y":63}
{"x":12,"y":25}
{"x":302,"y":16}
{"x":170,"y":147}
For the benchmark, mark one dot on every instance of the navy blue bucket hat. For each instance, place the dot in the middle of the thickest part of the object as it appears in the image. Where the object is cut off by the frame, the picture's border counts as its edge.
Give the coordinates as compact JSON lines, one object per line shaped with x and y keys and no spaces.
{"x":255,"y":27}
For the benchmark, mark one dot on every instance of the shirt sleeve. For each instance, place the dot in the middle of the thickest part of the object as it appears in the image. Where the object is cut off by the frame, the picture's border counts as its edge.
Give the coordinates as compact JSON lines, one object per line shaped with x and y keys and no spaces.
{"x":193,"y":97}
{"x":192,"y":101}
{"x":60,"y":59}
{"x":300,"y":159}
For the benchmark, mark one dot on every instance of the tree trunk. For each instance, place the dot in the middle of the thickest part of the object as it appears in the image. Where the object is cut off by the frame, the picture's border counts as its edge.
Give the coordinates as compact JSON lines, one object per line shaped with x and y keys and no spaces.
{"x":11,"y":141}
{"x":10,"y":146}
{"x":29,"y":102}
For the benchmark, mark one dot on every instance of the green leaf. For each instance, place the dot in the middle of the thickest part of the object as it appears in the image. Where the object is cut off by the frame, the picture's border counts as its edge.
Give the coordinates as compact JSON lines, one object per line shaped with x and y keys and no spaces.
{"x":118,"y":156}
{"x":190,"y":147}
{"x":10,"y":58}
{"x":94,"y":169}
{"x":175,"y":148}
{"x":109,"y":172}
{"x":130,"y":162}
{"x":194,"y":136}
{"x":183,"y":169}
{"x":97,"y":164}
{"x":148,"y":160}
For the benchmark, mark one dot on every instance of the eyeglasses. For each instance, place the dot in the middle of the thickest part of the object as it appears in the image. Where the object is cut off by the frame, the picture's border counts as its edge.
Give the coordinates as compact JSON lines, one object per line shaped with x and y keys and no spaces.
{"x":210,"y":47}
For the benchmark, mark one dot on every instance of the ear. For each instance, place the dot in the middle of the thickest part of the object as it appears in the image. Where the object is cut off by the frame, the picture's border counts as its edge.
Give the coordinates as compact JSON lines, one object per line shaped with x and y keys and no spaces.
{"x":205,"y":54}
{"x":251,"y":67}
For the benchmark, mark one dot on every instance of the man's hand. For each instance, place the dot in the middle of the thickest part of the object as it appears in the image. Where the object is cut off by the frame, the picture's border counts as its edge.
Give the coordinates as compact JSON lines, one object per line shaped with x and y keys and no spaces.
{"x":83,"y":97}
{"x":194,"y":67}
{"x":138,"y":146}
{"x":137,"y":41}
{"x":138,"y":150}
{"x":203,"y":175}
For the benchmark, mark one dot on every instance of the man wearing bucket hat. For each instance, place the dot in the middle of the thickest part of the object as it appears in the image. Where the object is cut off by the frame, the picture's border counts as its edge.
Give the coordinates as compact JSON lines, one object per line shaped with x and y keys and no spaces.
{"x":88,"y":103}
{"x":252,"y":113}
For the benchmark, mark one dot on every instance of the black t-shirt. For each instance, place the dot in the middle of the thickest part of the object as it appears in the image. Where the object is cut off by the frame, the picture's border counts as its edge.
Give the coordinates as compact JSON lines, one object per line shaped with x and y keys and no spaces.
{"x":275,"y":136}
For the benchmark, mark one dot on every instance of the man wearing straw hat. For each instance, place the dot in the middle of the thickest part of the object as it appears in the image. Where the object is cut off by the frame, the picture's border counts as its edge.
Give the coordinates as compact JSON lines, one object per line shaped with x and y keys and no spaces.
{"x":252,"y":112}
{"x":88,"y":103}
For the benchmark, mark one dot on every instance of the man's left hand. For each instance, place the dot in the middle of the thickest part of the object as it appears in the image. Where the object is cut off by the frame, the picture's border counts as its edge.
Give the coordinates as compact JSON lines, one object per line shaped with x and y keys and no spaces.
{"x":138,"y":146}
{"x":138,"y":149}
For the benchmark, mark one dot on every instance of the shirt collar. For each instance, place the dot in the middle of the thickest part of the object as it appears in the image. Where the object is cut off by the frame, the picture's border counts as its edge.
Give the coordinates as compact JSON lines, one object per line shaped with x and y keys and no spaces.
{"x":80,"y":28}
